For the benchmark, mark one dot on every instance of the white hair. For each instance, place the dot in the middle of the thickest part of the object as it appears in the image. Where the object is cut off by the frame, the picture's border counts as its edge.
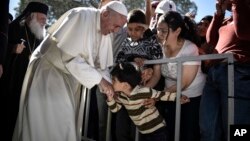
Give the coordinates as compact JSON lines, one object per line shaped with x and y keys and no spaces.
{"x":36,"y":28}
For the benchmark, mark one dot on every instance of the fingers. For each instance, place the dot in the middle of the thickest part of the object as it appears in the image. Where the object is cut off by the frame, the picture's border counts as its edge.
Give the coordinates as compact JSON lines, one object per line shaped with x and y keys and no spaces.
{"x":139,"y":61}
{"x":148,"y":103}
{"x":221,"y":6}
{"x":106,"y":87}
{"x":19,"y":48}
{"x":184,"y":99}
{"x":147,"y":74}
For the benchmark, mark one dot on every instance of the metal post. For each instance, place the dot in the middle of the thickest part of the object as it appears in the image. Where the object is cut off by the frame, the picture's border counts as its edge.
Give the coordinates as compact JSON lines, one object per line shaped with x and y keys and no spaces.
{"x":178,"y":104}
{"x":88,"y":97}
{"x":228,"y":57}
{"x":230,"y":94}
{"x":136,"y":134}
{"x":180,"y":60}
{"x":108,"y":131}
{"x":82,"y":101}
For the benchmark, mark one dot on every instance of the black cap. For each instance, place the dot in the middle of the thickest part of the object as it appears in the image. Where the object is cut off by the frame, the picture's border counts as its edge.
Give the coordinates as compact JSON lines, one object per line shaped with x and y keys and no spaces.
{"x":10,"y":17}
{"x":136,"y":16}
{"x":36,"y":7}
{"x":207,"y":18}
{"x":32,"y":7}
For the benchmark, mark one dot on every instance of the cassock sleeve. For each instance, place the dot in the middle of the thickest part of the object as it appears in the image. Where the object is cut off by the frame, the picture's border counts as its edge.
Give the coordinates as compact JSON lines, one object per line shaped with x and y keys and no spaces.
{"x":83,"y":72}
{"x":73,"y":39}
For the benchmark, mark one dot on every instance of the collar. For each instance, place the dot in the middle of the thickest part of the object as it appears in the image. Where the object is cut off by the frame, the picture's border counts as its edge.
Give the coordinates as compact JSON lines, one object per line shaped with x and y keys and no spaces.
{"x":135,"y":90}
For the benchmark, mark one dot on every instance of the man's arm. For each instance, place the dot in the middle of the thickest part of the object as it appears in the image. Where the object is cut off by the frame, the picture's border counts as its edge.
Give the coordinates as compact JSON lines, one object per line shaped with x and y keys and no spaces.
{"x":212,"y":35}
{"x":106,"y":83}
{"x":148,"y":11}
{"x":241,"y":10}
{"x":155,"y":77}
{"x":83,"y":72}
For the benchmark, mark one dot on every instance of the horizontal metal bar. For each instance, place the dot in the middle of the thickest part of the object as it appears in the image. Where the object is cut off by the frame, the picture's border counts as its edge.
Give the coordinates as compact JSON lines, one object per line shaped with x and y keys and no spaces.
{"x":190,"y":58}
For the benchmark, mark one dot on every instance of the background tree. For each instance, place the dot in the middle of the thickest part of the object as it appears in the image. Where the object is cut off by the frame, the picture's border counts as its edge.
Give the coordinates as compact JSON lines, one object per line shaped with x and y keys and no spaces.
{"x":58,"y":7}
{"x":184,"y":6}
{"x":132,"y":4}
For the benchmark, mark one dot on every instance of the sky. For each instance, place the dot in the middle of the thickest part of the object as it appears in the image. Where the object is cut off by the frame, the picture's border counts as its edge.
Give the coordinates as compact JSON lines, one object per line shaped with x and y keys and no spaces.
{"x":205,"y":7}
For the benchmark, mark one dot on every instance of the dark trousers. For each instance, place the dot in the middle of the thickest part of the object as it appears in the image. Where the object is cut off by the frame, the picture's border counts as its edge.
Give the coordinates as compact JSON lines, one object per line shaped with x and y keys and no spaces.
{"x":158,"y":135}
{"x":214,"y":102}
{"x":125,"y":128}
{"x":189,"y":127}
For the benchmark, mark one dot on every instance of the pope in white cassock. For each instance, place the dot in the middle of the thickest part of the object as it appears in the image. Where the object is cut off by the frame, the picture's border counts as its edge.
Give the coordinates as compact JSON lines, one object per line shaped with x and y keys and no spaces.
{"x":77,"y":51}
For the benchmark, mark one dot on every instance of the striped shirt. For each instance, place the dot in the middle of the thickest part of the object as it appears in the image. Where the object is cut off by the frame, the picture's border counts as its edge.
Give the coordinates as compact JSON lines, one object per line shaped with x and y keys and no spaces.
{"x":147,"y":120}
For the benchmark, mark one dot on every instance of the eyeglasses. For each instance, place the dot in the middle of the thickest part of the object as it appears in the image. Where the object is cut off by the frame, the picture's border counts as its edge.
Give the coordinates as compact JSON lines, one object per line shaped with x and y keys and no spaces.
{"x":164,"y":31}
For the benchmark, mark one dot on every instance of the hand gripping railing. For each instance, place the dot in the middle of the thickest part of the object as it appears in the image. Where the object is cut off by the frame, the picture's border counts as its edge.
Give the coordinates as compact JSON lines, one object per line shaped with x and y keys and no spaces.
{"x":227,"y":57}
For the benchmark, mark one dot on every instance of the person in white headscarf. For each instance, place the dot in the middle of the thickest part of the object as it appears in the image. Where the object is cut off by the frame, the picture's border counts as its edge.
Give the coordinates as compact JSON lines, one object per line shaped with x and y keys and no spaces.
{"x":77,"y":51}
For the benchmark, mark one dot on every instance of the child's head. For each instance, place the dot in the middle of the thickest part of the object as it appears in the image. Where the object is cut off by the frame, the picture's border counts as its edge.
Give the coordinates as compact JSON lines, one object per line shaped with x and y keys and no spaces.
{"x":203,"y":25}
{"x":125,"y":77}
{"x":136,"y":24}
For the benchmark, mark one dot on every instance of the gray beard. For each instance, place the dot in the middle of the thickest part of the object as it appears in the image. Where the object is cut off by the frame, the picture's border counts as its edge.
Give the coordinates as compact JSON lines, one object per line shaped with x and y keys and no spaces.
{"x":37,"y":29}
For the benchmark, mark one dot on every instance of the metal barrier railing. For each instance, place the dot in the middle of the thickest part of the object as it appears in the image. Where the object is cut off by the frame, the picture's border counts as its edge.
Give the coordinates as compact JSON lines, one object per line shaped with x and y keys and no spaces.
{"x":227,"y":57}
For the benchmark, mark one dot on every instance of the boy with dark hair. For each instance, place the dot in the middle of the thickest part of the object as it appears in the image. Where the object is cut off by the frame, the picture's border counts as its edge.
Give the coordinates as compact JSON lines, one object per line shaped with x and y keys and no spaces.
{"x":126,"y":80}
{"x":139,"y":45}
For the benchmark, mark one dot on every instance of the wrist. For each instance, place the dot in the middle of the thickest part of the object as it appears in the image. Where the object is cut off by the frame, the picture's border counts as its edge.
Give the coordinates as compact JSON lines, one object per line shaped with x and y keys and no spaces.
{"x":109,"y":98}
{"x":220,"y":13}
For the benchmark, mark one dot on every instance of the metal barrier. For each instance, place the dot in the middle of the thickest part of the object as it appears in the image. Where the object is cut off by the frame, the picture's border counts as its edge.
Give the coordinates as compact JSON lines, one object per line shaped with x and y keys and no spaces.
{"x":230,"y":60}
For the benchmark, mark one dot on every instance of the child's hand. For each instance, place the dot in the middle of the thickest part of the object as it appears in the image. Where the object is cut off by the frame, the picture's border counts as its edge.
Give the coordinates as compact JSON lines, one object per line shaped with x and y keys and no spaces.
{"x":148,"y":103}
{"x":146,"y":75}
{"x":139,"y":61}
{"x":110,"y":96}
{"x":184,"y":99}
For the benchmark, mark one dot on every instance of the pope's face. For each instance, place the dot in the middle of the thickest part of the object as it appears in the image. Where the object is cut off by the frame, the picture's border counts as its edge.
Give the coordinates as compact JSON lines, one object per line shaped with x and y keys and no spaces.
{"x":111,"y":22}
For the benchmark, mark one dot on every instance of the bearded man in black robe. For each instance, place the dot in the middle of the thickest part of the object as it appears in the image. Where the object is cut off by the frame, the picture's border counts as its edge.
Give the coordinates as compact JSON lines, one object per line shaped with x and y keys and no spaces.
{"x":25,"y":34}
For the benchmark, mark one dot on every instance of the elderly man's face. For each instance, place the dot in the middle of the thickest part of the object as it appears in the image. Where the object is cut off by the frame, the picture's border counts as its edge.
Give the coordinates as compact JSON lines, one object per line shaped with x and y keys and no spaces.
{"x":41,"y":19}
{"x":111,"y":22}
{"x":37,"y":24}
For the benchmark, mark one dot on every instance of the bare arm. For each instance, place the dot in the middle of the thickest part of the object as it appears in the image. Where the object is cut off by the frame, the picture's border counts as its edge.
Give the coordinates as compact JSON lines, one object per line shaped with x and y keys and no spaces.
{"x":148,"y":11}
{"x":106,"y":87}
{"x":155,"y":77}
{"x":241,"y":10}
{"x":188,"y":75}
{"x":212,"y":35}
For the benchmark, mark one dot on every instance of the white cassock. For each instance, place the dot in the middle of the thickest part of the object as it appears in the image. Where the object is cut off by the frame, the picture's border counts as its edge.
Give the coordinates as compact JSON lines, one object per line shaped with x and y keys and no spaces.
{"x":74,"y":53}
